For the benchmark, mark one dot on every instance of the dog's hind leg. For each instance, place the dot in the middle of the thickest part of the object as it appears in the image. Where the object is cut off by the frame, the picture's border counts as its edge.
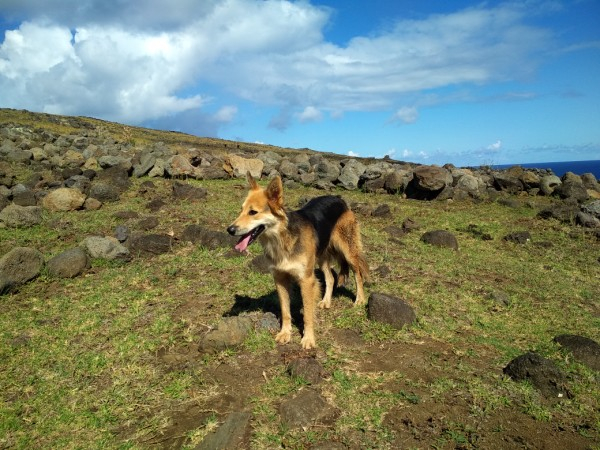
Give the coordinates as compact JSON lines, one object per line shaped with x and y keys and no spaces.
{"x":347,"y":242}
{"x":329,"y":282}
{"x":283,"y":285}
{"x":310,"y":290}
{"x":358,"y":263}
{"x":360,"y":268}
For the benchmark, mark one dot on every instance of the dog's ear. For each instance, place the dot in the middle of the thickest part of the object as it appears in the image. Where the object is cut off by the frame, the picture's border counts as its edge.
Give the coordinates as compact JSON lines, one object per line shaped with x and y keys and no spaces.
{"x":251,"y":181}
{"x":275,"y":192}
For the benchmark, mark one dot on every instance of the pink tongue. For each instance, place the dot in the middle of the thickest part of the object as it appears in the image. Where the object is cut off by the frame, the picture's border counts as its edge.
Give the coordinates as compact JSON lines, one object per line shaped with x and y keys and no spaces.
{"x":243,"y":244}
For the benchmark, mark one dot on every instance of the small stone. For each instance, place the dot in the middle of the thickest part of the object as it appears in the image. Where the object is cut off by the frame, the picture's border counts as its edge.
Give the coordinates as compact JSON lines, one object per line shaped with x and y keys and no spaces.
{"x":230,"y":331}
{"x":150,"y":244}
{"x":541,"y":372}
{"x":148,"y":223}
{"x":121,"y":233}
{"x":64,"y":199}
{"x":440,"y":238}
{"x":390,"y":310}
{"x":500,"y":298}
{"x":519,"y":237}
{"x":307,"y":408}
{"x":155,"y":205}
{"x":308,"y":369}
{"x":92,"y":204}
{"x":233,"y":433}
{"x":183,"y":191}
{"x":105,"y":248}
{"x":15,"y":216}
{"x":19,"y":266}
{"x":68,"y":264}
{"x":584,"y":350}
{"x":382,"y":210}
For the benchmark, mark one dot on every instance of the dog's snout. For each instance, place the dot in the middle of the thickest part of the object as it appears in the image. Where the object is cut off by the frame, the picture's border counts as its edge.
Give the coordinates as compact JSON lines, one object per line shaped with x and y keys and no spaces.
{"x":231,"y":229}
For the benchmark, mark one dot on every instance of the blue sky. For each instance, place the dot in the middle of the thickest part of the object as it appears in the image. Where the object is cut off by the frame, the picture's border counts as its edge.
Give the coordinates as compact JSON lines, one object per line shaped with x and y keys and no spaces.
{"x":431,"y":82}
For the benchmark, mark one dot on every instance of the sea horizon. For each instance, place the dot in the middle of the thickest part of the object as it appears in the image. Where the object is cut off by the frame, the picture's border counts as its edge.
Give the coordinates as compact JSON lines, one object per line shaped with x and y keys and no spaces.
{"x":559,"y":168}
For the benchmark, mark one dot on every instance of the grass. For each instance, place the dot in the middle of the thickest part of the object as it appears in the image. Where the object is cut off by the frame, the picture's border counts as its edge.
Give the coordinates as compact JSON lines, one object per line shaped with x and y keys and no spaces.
{"x":82,"y":358}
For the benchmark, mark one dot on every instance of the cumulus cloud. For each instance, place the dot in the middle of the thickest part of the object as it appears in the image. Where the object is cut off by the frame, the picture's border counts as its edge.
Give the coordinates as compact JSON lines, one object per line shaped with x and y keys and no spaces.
{"x":133,"y":61}
{"x":107,"y":69}
{"x":105,"y":72}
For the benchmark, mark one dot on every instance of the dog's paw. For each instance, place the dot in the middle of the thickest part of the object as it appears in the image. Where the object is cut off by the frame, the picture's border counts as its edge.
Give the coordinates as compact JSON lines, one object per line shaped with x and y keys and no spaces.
{"x":359,"y":301}
{"x":283,"y":337}
{"x":325,"y":304}
{"x":308,"y":342}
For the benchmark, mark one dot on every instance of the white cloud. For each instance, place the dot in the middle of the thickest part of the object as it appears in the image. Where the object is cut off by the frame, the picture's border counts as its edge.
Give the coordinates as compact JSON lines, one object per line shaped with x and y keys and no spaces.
{"x":495,"y":146}
{"x":105,"y":72}
{"x":109,"y":70}
{"x":476,"y":45}
{"x":351,"y":153}
{"x":310,"y":114}
{"x":131,"y":61}
{"x":413,"y":156}
{"x":226,"y":114}
{"x":406,"y":115}
{"x":20,"y":50}
{"x":140,"y":14}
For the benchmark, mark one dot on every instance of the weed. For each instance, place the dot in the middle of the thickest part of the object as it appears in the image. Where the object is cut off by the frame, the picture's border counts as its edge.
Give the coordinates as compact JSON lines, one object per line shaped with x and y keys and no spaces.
{"x":259,"y":342}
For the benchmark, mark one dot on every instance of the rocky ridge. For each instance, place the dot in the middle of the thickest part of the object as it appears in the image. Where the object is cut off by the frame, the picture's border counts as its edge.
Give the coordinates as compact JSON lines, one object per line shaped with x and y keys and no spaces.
{"x":90,"y":159}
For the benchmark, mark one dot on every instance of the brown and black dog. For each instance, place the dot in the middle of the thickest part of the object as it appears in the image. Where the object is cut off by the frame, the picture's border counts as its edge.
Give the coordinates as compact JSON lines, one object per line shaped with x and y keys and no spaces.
{"x":323,"y":232}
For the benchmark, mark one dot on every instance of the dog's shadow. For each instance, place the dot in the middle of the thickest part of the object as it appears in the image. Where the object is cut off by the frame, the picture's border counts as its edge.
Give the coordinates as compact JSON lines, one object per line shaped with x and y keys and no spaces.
{"x":270,"y":301}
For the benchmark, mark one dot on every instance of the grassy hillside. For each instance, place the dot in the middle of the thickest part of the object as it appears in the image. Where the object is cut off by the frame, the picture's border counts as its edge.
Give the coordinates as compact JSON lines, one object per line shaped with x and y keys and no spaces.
{"x":110,"y":359}
{"x":136,"y":136}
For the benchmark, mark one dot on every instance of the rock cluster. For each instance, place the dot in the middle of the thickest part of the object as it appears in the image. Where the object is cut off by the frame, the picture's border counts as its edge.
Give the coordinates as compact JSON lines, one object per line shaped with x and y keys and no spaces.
{"x":545,"y":375}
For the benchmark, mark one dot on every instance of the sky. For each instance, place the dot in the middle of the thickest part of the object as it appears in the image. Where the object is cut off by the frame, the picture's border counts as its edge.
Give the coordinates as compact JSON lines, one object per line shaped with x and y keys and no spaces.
{"x":425,"y":81}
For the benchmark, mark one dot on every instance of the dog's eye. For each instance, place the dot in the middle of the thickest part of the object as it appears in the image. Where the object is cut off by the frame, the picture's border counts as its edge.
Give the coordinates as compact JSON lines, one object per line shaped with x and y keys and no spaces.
{"x":252,"y":212}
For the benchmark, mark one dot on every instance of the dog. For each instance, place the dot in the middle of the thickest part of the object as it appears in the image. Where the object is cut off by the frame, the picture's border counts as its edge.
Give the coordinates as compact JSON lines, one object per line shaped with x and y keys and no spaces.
{"x":321,"y":233}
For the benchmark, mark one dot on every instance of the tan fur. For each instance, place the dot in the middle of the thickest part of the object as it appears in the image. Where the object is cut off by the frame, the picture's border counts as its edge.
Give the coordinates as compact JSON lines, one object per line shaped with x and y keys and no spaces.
{"x":293,"y":258}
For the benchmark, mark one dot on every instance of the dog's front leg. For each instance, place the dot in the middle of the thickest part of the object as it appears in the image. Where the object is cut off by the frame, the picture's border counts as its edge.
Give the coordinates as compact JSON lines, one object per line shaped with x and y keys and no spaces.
{"x":310,"y":289}
{"x":283,"y":285}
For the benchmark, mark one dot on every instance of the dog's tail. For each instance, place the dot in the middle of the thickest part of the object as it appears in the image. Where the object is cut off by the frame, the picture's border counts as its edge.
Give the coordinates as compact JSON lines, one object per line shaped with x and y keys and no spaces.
{"x":363,"y":268}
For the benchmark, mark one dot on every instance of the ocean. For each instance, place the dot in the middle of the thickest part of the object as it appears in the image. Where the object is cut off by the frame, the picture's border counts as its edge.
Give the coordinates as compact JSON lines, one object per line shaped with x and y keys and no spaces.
{"x":560,"y":168}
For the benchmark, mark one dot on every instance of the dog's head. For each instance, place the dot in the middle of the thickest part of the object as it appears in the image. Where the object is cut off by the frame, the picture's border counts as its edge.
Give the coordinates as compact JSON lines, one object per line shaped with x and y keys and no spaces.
{"x":262,"y":210}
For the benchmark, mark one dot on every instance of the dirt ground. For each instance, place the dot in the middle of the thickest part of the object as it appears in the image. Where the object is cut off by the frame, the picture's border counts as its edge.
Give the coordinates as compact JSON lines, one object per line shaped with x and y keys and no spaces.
{"x":426,"y":420}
